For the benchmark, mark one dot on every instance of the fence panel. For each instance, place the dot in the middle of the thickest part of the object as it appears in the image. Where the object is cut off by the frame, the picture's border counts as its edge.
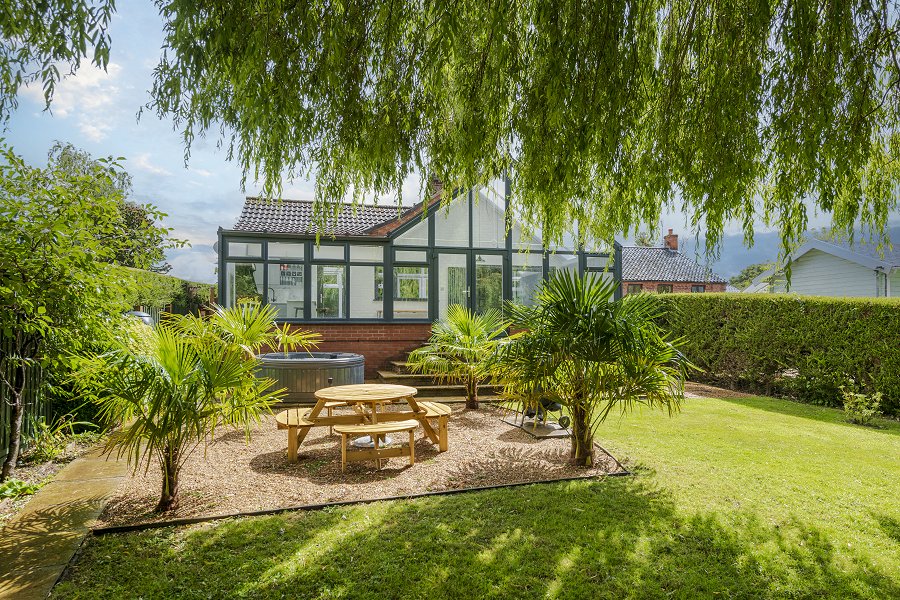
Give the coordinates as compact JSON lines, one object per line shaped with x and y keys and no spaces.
{"x":35,"y":406}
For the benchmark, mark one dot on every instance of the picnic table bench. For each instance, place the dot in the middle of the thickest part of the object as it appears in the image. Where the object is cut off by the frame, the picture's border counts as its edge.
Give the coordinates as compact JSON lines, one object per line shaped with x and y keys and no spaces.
{"x":298,"y":421}
{"x":376,"y":430}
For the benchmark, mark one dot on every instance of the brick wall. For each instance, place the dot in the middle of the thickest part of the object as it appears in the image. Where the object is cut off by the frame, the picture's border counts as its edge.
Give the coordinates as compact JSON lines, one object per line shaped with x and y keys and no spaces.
{"x":380,"y":343}
{"x":678,"y":287}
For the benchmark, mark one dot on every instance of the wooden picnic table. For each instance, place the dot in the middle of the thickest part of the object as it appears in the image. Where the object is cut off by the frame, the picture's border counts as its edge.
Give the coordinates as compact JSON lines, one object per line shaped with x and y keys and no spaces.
{"x":298,"y":422}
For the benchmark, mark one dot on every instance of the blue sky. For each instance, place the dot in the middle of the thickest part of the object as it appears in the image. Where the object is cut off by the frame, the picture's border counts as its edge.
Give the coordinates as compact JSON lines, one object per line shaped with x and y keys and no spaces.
{"x":97,"y":111}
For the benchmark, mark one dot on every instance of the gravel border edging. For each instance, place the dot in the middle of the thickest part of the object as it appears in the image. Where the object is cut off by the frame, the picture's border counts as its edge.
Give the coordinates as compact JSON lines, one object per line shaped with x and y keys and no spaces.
{"x":100,"y":531}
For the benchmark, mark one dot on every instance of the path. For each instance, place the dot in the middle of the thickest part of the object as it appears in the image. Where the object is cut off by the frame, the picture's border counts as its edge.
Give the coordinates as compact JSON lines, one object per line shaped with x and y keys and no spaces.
{"x":37,"y":544}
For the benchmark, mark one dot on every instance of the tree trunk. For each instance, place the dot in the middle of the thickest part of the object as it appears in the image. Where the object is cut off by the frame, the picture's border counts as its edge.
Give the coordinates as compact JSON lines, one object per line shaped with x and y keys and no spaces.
{"x":168,"y":499}
{"x":472,"y":393}
{"x":17,"y":415}
{"x":582,"y":452}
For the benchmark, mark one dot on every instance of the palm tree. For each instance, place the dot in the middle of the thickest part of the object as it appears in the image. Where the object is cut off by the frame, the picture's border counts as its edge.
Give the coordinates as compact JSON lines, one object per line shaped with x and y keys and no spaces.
{"x":173,"y":385}
{"x":459,"y":348}
{"x":590,"y":354}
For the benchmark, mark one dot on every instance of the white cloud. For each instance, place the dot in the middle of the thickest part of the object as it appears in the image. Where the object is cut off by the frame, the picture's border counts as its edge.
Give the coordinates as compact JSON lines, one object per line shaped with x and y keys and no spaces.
{"x":202,"y":172}
{"x":90,"y":97}
{"x":142,"y":162}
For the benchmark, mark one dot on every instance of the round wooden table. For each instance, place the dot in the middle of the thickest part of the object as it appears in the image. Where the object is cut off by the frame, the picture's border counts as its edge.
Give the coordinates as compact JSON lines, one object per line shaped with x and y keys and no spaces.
{"x":371,"y":394}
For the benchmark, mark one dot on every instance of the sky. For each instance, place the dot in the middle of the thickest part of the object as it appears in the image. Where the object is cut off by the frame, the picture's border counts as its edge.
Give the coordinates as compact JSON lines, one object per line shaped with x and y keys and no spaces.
{"x":97,"y":111}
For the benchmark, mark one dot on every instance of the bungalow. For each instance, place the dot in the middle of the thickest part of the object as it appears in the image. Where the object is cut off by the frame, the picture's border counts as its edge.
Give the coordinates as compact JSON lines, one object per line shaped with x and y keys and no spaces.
{"x":665,"y":270}
{"x":379,"y":276}
{"x":835,"y":268}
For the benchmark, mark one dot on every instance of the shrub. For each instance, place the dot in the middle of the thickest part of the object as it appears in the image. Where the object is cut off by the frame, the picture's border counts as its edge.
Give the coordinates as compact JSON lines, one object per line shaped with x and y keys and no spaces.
{"x":861,"y":408}
{"x":803,"y":348}
{"x":13,"y":488}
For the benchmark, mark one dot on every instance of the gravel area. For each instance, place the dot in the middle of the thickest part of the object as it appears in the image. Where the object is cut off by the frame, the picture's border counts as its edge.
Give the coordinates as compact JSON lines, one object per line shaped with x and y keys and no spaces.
{"x":702,"y":390}
{"x":233,"y":475}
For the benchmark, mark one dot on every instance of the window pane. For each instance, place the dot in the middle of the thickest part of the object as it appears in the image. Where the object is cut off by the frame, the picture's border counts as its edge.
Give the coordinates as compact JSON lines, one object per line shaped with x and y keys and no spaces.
{"x":664,"y":288}
{"x":527,"y":276}
{"x":635,"y":288}
{"x":328,"y":290}
{"x":243,"y":281}
{"x":451,"y":224}
{"x":489,"y":219}
{"x":285,"y":250}
{"x":417,"y":236}
{"x":366,"y":292}
{"x":410,"y":256}
{"x":599,"y":262}
{"x":411,"y":292}
{"x":488,"y":282}
{"x":239,"y":249}
{"x":568,"y":262}
{"x":453,"y":282}
{"x":366,"y":253}
{"x":698,"y":289}
{"x":329,"y":252}
{"x":286,"y":289}
{"x":600,"y":276}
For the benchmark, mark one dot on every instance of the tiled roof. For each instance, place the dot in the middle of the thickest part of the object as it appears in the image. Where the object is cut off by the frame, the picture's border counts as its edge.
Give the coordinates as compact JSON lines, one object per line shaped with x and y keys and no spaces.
{"x":663,"y":264}
{"x":296,"y":216}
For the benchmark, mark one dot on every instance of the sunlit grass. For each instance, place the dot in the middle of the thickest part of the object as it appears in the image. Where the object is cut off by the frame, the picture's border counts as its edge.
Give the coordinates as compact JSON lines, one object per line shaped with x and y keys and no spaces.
{"x":753,"y":498}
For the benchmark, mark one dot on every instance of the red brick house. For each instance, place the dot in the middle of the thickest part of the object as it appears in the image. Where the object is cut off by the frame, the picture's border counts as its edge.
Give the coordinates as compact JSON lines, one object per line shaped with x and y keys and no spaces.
{"x":379,"y":277}
{"x":665,"y":270}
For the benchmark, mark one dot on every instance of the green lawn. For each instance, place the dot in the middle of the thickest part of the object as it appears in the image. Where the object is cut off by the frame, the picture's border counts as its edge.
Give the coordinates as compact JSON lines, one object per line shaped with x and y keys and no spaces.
{"x":753,"y":498}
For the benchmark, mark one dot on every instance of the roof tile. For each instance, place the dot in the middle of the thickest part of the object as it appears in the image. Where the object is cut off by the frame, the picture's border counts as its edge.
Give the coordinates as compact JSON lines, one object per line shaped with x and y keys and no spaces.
{"x":296,"y":216}
{"x":663,"y":264}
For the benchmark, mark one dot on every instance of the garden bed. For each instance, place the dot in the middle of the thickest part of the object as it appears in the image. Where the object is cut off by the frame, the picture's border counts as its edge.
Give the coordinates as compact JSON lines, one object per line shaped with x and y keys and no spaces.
{"x":234,"y":476}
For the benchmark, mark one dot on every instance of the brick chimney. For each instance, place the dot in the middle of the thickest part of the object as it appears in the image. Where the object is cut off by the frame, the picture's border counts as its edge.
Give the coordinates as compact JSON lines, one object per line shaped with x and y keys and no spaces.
{"x":671,"y":241}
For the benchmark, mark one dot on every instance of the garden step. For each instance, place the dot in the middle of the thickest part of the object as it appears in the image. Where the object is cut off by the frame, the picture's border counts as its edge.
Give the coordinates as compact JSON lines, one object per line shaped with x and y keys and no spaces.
{"x":442,"y":391}
{"x":401,"y":367}
{"x":413,"y":379}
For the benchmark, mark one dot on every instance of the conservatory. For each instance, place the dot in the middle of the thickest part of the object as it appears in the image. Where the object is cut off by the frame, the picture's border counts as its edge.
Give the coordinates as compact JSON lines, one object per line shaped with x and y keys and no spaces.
{"x":376,"y":264}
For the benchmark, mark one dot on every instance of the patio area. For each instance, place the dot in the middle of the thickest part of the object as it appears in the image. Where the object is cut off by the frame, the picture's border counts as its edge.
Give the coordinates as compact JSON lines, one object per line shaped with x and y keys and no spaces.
{"x":235,"y":476}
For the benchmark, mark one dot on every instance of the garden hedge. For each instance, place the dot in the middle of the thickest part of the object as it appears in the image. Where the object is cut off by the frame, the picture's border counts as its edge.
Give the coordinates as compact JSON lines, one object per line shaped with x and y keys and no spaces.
{"x":803,"y":348}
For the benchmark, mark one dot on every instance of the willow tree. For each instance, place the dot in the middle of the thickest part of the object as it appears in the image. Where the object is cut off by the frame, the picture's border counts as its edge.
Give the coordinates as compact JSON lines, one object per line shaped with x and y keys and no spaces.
{"x":606,"y":112}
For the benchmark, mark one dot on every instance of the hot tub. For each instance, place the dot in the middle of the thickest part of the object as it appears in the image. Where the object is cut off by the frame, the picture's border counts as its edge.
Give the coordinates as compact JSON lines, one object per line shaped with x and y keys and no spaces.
{"x":302,"y":373}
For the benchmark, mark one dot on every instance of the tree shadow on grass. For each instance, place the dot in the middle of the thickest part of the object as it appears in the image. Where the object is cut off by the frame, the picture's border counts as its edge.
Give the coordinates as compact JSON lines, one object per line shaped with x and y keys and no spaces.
{"x":619,"y":538}
{"x":808,"y":411}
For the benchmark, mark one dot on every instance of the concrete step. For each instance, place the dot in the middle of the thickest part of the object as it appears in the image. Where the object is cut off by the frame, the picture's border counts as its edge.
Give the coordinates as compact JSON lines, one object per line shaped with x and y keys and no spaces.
{"x":443,"y":391}
{"x":413,"y":379}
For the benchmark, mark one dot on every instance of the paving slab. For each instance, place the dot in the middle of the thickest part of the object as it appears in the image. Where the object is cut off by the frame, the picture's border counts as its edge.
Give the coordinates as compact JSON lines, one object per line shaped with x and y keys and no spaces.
{"x":38,"y":543}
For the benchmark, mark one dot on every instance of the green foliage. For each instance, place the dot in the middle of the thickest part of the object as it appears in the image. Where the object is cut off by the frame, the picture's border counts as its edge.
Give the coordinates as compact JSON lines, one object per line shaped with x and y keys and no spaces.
{"x":800,"y":347}
{"x":14,"y":488}
{"x":591,"y":354}
{"x":459,"y":348}
{"x":37,"y":39}
{"x":749,"y":273}
{"x":644,"y":239}
{"x":607,"y":113}
{"x":49,"y":442}
{"x":173,"y":385}
{"x":860,"y":408}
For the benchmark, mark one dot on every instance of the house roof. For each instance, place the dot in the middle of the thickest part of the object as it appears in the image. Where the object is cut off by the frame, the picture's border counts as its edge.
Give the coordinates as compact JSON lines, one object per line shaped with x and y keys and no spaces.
{"x":296,"y":216}
{"x":663,"y":264}
{"x":863,"y":254}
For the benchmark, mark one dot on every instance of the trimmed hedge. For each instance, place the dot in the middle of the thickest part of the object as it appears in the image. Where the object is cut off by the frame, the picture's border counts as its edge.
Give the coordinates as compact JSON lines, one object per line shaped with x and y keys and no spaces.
{"x":803,"y":348}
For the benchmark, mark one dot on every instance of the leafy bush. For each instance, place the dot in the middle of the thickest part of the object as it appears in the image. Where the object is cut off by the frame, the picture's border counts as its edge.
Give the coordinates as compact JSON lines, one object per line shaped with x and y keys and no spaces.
{"x":803,"y":348}
{"x":13,"y":488}
{"x":861,"y":408}
{"x":49,"y":442}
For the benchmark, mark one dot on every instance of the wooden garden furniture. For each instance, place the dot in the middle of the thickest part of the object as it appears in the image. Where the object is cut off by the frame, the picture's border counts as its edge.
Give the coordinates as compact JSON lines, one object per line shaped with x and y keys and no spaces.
{"x":376,"y":431}
{"x":298,"y":421}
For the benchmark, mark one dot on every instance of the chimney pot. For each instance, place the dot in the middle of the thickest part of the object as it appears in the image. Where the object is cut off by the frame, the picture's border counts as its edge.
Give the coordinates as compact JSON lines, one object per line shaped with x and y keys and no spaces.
{"x":671,"y":241}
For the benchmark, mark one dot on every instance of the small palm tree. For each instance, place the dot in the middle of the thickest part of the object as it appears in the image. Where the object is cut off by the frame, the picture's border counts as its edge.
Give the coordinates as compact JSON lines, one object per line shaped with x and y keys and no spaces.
{"x":459,"y":348}
{"x":590,"y":354}
{"x":173,"y":385}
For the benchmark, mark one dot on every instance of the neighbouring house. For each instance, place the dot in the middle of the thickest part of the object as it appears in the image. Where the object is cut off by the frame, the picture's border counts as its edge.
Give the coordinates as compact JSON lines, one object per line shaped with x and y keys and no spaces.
{"x":835,"y":268}
{"x":379,"y":277}
{"x":663,"y":269}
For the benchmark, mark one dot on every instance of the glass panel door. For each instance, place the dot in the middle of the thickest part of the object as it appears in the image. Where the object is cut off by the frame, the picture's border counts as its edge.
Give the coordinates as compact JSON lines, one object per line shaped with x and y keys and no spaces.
{"x":488,"y":282}
{"x":453,"y":280}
